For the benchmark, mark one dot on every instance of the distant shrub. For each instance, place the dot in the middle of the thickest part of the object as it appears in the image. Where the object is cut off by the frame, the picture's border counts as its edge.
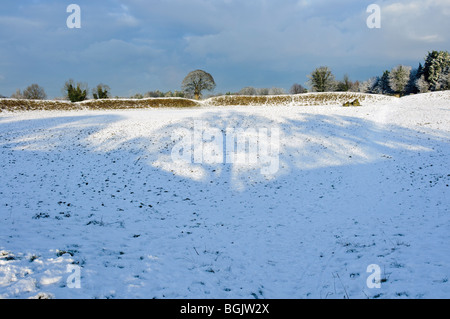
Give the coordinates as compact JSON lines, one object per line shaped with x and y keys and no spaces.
{"x":156,"y":93}
{"x":297,"y":89}
{"x":75,"y":93}
{"x":137,"y":96}
{"x":102,"y":91}
{"x":179,"y":94}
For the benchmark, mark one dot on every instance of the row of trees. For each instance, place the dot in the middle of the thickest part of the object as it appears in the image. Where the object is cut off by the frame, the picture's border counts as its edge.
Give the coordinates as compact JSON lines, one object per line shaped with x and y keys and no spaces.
{"x":193,"y":85}
{"x":434,"y":75}
{"x":249,"y":90}
{"x":77,"y":92}
{"x":73,"y":92}
{"x":322,"y":80}
{"x":32,"y":92}
{"x":158,"y":93}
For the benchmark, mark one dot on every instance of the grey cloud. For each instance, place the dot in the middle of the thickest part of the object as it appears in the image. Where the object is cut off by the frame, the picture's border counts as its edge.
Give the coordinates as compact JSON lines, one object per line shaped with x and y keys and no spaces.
{"x":154,"y":43}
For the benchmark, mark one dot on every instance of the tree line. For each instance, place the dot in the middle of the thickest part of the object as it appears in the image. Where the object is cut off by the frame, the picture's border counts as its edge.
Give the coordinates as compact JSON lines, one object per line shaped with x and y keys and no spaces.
{"x":432,"y":75}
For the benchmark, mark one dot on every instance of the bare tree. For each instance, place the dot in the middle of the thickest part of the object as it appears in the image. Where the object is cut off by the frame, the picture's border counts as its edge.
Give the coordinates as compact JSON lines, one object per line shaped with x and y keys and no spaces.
{"x":277,"y":91}
{"x":196,"y":82}
{"x":262,"y":91}
{"x":355,"y":86}
{"x":248,"y":91}
{"x":297,"y":89}
{"x":34,"y":92}
{"x":345,"y":85}
{"x":17,"y":95}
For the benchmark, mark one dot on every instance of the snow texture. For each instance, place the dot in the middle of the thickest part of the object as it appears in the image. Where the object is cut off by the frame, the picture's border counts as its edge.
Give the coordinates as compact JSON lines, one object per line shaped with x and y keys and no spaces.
{"x":356,"y":186}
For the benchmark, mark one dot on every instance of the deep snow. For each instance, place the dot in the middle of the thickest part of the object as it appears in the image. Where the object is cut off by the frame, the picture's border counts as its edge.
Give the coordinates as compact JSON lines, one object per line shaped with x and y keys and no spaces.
{"x":355,"y":187}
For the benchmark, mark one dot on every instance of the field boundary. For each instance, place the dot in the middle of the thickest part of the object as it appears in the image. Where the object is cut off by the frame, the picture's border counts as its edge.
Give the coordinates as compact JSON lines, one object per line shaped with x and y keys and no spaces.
{"x":307,"y":99}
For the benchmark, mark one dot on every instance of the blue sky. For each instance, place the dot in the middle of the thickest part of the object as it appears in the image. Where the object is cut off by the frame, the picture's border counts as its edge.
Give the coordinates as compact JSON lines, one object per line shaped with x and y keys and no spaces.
{"x":136,"y":46}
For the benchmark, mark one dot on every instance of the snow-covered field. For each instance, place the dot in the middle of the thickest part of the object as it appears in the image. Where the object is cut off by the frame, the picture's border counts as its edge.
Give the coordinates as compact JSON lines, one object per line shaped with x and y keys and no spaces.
{"x":98,"y":190}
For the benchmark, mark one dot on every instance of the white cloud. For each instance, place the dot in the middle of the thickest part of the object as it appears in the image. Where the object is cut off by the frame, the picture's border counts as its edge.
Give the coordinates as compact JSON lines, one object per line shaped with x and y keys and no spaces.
{"x":123,"y":17}
{"x":411,"y":28}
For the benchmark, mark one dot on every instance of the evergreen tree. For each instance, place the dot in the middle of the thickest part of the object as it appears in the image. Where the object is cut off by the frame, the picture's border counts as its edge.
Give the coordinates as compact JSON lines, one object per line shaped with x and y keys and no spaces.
{"x":381,"y":84}
{"x":322,"y":80}
{"x":420,"y":71}
{"x":101,"y":92}
{"x":385,"y":86}
{"x":443,"y":82}
{"x":435,"y":63}
{"x":75,"y":93}
{"x":399,"y":78}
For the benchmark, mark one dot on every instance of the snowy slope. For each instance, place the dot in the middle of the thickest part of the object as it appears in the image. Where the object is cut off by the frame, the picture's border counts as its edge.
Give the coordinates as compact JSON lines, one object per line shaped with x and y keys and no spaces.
{"x":356,"y":186}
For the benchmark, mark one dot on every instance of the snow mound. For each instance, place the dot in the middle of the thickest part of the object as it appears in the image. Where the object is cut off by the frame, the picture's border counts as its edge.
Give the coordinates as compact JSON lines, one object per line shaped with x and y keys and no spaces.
{"x":306,"y":99}
{"x":434,"y":99}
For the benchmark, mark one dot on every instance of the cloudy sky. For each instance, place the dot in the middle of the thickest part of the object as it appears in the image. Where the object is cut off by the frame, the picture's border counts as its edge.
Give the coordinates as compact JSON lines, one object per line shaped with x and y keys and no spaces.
{"x":136,"y":46}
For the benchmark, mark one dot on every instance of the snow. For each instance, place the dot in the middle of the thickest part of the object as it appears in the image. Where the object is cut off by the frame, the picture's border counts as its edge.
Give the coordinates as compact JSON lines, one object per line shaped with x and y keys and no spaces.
{"x":356,"y":186}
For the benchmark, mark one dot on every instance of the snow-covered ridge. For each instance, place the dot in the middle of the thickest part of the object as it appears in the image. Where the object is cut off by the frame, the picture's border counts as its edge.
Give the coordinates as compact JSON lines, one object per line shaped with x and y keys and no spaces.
{"x":325,"y":98}
{"x":28,"y":105}
{"x":307,"y":99}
